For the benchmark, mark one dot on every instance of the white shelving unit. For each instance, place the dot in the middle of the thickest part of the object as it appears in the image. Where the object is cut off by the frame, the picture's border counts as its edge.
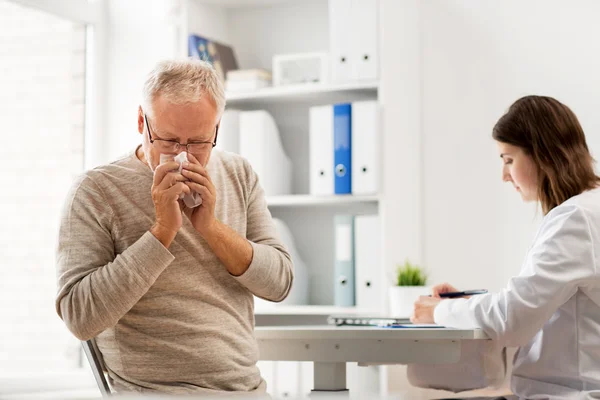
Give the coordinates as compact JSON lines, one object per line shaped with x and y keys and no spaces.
{"x":303,"y":93}
{"x":320,"y":201}
{"x":259,"y":29}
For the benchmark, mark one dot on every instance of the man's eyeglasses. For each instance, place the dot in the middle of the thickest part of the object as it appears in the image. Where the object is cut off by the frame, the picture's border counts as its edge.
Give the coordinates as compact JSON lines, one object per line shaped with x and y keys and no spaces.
{"x":173,"y":146}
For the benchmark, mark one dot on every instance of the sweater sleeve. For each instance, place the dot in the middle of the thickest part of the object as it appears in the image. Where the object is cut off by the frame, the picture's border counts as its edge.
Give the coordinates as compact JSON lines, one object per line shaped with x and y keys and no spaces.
{"x":560,"y":261}
{"x":270,"y":273}
{"x":96,"y":287}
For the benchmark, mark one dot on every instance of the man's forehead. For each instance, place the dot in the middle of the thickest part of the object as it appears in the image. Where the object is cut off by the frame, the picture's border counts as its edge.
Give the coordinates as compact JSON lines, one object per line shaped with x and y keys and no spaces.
{"x":195,"y":132}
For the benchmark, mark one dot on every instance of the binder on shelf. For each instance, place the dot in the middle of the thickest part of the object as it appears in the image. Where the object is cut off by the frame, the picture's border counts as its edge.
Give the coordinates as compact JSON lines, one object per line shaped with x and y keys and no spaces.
{"x":340,"y":40}
{"x":321,"y":150}
{"x":370,"y":279}
{"x":342,"y":140}
{"x":299,"y":292}
{"x":260,"y":144}
{"x":365,"y":147}
{"x":364,"y":56}
{"x":353,"y":39}
{"x":344,"y":281}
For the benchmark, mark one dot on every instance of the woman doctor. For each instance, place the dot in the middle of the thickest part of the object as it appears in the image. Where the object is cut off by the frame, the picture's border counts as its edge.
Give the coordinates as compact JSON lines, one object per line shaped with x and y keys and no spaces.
{"x":551,"y":310}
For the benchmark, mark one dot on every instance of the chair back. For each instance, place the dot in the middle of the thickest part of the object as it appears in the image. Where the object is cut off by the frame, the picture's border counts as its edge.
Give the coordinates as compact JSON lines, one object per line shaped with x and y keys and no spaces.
{"x":95,"y":359}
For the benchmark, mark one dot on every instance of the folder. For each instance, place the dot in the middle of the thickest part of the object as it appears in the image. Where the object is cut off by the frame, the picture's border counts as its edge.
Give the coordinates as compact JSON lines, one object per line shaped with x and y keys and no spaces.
{"x":365,"y":54}
{"x":370,"y":279}
{"x":340,"y":40}
{"x":261,"y":145}
{"x":365,"y":147}
{"x":321,"y":150}
{"x":229,"y":132}
{"x":344,"y":282}
{"x":342,"y":152}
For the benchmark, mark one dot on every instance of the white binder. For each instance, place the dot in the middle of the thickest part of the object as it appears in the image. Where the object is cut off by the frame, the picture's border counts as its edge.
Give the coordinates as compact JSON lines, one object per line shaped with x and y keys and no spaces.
{"x":321,"y":167}
{"x":344,"y":273}
{"x":340,"y":40}
{"x":365,"y":147}
{"x":370,"y":277}
{"x":299,"y":292}
{"x":229,"y":132}
{"x":365,"y":54}
{"x":261,"y":145}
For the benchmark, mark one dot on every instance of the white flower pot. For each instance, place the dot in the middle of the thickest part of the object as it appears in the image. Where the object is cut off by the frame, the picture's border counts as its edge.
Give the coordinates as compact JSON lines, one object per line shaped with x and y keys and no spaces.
{"x":402,"y":299}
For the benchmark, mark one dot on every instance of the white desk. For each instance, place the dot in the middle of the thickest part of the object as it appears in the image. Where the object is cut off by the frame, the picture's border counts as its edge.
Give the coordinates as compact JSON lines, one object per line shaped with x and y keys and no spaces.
{"x":331,"y":347}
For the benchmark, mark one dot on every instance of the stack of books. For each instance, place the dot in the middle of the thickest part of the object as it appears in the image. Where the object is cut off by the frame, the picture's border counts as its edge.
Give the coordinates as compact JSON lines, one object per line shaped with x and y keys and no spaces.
{"x":247,"y":80}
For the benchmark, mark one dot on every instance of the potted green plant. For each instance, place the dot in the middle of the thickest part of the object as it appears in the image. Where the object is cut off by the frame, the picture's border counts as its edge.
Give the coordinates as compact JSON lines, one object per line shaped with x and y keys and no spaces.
{"x":409,"y":283}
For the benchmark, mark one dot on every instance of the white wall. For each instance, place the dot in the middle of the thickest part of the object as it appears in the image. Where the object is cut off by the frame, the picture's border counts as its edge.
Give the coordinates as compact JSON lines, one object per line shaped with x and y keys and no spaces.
{"x":279,"y":30}
{"x":141,"y":32}
{"x":402,"y":139}
{"x":210,"y":21}
{"x":42,"y":110}
{"x":477,"y":58}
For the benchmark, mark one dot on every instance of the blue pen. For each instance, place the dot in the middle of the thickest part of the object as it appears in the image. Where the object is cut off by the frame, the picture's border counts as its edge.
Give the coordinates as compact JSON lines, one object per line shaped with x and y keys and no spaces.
{"x":411,"y":326}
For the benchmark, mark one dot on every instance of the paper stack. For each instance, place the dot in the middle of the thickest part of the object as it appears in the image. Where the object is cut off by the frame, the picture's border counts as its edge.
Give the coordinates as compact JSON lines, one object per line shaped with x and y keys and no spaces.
{"x":246,"y":80}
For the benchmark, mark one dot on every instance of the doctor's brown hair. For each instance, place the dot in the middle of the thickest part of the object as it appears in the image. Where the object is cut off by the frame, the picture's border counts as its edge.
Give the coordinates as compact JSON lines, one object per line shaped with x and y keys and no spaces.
{"x":549,"y":132}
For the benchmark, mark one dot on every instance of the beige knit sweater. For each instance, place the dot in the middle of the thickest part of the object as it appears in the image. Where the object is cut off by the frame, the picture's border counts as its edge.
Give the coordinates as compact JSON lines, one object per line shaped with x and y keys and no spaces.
{"x":167,"y":320}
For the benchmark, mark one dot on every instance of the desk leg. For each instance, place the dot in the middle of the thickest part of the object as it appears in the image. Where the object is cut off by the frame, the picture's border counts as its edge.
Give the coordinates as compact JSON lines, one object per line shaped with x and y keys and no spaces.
{"x":330,"y":376}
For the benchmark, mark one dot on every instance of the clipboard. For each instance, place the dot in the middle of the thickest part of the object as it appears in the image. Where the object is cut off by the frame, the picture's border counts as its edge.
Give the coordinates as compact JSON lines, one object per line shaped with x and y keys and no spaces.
{"x":366,"y":320}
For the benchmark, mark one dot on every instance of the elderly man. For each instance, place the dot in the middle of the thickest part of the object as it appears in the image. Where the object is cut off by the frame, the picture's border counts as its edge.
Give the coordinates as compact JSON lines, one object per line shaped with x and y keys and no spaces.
{"x":167,"y":291}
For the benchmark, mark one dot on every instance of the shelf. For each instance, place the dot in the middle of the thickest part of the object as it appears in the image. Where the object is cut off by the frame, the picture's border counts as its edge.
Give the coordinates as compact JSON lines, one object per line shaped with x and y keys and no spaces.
{"x":304,"y":92}
{"x":312,"y":310}
{"x":300,"y":200}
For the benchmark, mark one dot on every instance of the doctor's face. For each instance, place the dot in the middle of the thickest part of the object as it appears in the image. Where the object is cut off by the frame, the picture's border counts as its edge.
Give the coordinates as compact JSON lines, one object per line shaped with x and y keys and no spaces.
{"x":519,"y":169}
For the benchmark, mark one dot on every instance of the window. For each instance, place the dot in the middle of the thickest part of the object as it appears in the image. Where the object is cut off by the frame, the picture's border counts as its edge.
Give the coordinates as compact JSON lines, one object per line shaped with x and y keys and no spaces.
{"x":42,"y":111}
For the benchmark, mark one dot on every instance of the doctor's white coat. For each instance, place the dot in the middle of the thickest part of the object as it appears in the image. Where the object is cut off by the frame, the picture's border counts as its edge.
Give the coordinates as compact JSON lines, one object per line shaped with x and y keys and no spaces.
{"x":551,"y":309}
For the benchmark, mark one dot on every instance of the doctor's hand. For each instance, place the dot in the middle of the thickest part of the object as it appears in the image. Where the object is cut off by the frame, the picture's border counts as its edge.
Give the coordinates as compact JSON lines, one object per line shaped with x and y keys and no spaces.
{"x":424,"y":308}
{"x":203,"y":216}
{"x":442,"y":288}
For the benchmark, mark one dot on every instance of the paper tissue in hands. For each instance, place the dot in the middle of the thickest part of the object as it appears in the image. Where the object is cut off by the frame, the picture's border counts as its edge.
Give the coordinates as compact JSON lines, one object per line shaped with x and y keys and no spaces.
{"x":193,"y":199}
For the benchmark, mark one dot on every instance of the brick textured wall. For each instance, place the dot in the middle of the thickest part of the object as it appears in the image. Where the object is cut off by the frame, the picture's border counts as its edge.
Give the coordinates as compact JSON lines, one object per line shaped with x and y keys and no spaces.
{"x":42,"y":65}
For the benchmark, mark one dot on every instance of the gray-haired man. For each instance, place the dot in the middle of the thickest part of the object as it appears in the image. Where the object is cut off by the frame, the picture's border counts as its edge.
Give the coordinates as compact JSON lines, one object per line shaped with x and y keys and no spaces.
{"x":167,"y":290}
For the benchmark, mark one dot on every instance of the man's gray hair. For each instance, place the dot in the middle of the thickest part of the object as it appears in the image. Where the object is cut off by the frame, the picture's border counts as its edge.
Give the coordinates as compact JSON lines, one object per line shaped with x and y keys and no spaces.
{"x":183,"y":81}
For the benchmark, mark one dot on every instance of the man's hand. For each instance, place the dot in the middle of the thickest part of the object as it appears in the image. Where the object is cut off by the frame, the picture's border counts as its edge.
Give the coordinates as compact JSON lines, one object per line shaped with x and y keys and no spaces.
{"x":202,"y":217}
{"x":167,"y":186}
{"x":424,"y":308}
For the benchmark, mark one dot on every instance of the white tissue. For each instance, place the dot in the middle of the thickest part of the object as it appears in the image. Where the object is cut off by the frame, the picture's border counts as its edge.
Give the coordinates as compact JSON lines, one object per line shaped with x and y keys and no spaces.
{"x":193,"y":199}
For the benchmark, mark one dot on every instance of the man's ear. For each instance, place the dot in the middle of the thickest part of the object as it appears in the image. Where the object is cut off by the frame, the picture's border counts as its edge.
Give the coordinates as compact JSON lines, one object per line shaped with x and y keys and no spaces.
{"x":140,"y":120}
